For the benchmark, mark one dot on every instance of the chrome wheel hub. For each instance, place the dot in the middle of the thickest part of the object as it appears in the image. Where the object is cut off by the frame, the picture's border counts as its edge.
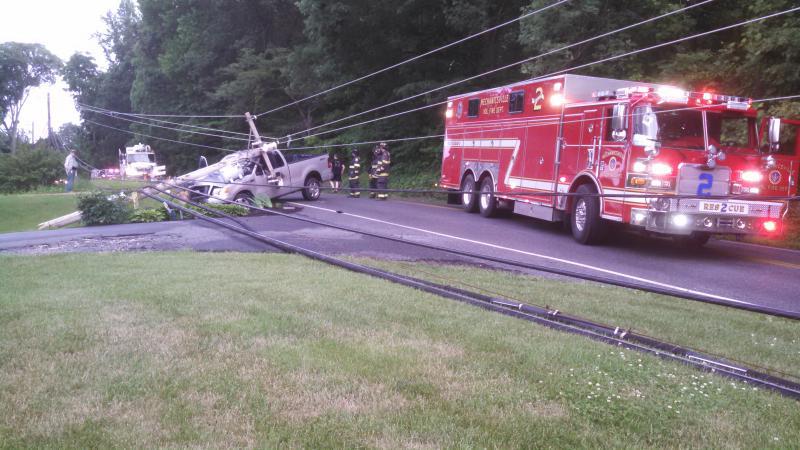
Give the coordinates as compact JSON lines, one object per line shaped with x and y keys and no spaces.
{"x":466,"y":197}
{"x":486,"y":192}
{"x":580,"y":214}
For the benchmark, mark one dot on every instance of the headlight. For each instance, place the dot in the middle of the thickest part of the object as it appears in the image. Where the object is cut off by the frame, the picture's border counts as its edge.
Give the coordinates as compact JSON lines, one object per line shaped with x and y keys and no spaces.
{"x":752,"y":176}
{"x":680,"y":220}
{"x":660,"y":169}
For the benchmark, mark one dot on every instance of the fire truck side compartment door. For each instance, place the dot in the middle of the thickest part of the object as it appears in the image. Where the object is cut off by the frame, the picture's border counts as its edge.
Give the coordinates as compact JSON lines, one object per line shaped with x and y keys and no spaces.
{"x":590,"y":140}
{"x":783,"y":178}
{"x":570,"y":145}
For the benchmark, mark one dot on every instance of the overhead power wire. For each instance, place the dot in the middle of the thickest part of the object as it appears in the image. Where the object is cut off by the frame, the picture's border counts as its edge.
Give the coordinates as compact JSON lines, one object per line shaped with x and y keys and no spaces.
{"x":508,"y":66}
{"x":114,"y":116}
{"x":545,"y":316}
{"x":432,"y":136}
{"x":139,"y":116}
{"x":159,"y":138}
{"x":505,"y":128}
{"x":200,"y":116}
{"x":412,"y":59}
{"x":611,"y":58}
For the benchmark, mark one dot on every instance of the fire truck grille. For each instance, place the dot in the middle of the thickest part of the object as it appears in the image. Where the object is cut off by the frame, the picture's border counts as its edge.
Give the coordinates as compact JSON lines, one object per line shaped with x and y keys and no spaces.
{"x":692,"y":178}
{"x":725,"y":222}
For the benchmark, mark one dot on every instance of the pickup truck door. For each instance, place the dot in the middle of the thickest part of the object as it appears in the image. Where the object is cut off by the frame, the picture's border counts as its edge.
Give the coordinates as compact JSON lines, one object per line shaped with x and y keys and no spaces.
{"x":281,"y":175}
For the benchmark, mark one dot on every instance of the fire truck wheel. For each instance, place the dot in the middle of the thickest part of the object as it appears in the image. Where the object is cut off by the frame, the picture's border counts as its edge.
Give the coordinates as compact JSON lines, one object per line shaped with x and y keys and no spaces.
{"x":587,"y":226}
{"x":469,"y":201}
{"x":312,"y":188}
{"x":245,"y":198}
{"x":487,"y":202}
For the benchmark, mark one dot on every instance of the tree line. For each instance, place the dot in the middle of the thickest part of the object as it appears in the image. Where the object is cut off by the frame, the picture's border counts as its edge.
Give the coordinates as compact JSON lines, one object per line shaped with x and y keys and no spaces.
{"x":222,"y":58}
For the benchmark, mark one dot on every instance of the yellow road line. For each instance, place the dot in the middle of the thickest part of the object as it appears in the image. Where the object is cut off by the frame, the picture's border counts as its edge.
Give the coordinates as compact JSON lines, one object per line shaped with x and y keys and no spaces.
{"x":776,"y":263}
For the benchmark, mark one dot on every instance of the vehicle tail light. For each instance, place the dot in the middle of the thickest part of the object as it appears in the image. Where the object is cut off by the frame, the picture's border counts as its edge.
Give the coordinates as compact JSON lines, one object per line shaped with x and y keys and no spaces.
{"x":770,"y":226}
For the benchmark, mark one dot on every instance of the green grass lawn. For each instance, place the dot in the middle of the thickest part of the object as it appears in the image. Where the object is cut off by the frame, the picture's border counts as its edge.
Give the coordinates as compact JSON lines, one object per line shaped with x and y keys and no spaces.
{"x":231,"y":350}
{"x":759,"y":340}
{"x":22,"y":212}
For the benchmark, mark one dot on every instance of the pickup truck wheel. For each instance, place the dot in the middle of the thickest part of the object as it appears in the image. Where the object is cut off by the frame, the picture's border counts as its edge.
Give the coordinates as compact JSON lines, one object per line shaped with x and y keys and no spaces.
{"x":312,"y":188}
{"x":587,"y":226}
{"x":469,"y":200}
{"x":487,"y":201}
{"x":245,"y":198}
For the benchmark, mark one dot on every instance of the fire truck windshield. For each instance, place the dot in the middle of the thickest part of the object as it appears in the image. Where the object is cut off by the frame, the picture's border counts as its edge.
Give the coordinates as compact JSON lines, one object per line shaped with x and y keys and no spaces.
{"x":683,"y":128}
{"x":140,"y":158}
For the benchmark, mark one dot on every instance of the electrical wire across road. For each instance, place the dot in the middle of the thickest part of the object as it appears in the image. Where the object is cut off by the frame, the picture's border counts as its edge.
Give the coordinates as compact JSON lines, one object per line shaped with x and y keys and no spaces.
{"x":543,"y":316}
{"x":637,"y":283}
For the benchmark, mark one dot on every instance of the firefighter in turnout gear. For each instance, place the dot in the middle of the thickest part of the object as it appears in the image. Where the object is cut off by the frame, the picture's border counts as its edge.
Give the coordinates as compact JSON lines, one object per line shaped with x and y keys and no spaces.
{"x":354,"y":171}
{"x":384,"y":161}
{"x":373,"y":171}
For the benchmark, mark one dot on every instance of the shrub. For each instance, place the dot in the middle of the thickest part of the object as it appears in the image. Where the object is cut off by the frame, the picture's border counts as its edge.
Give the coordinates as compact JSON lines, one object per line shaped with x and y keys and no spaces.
{"x":146,"y":215}
{"x":98,"y":208}
{"x":262,"y":201}
{"x":29,"y":169}
{"x":229,"y":209}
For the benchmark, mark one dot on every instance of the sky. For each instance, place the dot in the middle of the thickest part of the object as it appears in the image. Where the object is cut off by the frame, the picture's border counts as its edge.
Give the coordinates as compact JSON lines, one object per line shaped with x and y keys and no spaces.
{"x":64,"y":27}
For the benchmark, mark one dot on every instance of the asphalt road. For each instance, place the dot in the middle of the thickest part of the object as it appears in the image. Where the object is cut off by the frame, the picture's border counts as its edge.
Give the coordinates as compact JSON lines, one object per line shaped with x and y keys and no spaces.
{"x":725,"y":270}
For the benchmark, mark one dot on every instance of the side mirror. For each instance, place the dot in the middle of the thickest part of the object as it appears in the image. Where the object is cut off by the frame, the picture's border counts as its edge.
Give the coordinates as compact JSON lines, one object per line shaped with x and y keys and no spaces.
{"x":618,"y":125}
{"x":774,"y":134}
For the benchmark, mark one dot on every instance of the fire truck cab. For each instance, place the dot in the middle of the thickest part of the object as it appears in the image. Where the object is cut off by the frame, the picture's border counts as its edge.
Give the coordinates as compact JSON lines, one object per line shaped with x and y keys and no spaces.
{"x":652,"y":156}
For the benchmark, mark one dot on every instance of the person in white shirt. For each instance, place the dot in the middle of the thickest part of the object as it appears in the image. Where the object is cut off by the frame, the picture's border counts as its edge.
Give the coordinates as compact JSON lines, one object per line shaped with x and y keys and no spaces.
{"x":71,"y":167}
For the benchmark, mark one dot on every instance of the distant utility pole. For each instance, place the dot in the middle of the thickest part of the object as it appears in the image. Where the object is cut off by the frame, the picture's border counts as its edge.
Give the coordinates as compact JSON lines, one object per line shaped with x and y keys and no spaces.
{"x":32,"y":135}
{"x":49,"y":127}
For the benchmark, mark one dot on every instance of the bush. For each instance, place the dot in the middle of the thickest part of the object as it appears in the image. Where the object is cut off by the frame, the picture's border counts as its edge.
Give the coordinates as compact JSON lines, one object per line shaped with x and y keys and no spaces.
{"x":262,"y":201}
{"x":98,"y":208}
{"x":230,"y":209}
{"x":29,"y":169}
{"x":146,"y":215}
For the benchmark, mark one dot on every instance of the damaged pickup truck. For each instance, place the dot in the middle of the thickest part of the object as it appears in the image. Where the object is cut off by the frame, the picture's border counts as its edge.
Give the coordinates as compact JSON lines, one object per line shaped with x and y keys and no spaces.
{"x":260,"y":171}
{"x":263,"y":171}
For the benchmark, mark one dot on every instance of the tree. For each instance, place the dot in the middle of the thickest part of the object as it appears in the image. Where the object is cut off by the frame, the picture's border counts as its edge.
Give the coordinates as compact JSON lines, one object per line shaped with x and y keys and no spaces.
{"x":22,"y":67}
{"x":110,"y":89}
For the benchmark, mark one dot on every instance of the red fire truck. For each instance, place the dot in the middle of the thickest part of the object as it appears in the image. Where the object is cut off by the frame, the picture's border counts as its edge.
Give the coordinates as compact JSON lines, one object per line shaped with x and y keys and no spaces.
{"x":520,"y":145}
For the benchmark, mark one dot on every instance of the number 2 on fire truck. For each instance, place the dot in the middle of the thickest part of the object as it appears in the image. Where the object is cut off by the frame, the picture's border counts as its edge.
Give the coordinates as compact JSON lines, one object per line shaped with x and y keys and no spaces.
{"x":703,"y":189}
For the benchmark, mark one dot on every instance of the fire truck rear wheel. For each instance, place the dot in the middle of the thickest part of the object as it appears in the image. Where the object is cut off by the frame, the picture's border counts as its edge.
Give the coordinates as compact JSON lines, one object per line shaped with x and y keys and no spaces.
{"x":469,"y":201}
{"x":587,"y":226}
{"x":312,"y":188}
{"x":487,"y":202}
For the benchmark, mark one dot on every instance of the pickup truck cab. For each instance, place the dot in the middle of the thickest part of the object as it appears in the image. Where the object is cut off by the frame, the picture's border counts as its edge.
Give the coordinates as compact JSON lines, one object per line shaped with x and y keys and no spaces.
{"x":258,"y":172}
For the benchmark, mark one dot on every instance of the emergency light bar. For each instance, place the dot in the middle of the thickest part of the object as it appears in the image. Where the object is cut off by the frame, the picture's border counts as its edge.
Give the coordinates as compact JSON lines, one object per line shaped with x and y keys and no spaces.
{"x":676,"y":95}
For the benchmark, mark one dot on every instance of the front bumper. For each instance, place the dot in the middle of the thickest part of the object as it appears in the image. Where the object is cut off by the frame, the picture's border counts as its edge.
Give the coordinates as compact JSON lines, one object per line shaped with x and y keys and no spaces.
{"x":685,"y":216}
